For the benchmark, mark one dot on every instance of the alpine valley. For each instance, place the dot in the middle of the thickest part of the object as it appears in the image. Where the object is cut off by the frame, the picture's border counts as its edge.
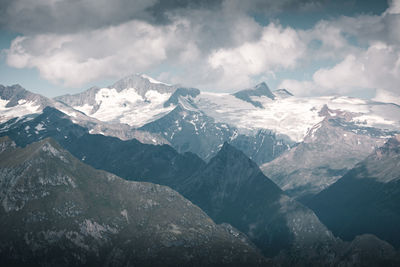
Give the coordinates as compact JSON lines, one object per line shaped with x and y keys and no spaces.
{"x":144,"y":173}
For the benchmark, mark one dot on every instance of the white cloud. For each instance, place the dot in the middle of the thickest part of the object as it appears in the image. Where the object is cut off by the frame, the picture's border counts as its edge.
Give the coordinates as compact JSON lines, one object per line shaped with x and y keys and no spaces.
{"x":375,"y":67}
{"x":74,"y":59}
{"x":388,"y":97}
{"x":394,"y":7}
{"x":137,"y":46}
{"x":217,"y":49}
{"x":277,"y":48}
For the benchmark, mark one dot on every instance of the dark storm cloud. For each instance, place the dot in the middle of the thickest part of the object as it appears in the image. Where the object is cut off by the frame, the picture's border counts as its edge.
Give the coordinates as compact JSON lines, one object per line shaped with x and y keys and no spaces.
{"x":159,"y":11}
{"x":64,"y":16}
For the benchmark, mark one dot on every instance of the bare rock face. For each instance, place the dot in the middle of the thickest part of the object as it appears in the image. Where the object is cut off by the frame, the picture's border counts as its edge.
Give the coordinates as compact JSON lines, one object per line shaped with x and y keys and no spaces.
{"x":57,"y":211}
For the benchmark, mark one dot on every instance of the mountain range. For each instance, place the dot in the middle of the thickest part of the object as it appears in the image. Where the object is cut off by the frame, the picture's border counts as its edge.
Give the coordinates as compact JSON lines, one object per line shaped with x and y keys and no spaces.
{"x":56,"y":210}
{"x":208,"y":147}
{"x":330,"y":149}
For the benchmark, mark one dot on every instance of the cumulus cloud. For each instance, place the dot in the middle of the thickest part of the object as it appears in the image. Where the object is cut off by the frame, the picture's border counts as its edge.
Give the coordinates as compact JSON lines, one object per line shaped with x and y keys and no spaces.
{"x":276,"y":48}
{"x":69,"y":16}
{"x":375,"y":67}
{"x":74,"y":59}
{"x":215,"y":45}
{"x":216,"y":52}
{"x":66,"y":16}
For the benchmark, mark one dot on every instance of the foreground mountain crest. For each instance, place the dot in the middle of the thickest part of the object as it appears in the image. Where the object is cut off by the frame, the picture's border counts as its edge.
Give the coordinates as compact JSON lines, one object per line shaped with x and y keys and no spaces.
{"x":136,"y":224}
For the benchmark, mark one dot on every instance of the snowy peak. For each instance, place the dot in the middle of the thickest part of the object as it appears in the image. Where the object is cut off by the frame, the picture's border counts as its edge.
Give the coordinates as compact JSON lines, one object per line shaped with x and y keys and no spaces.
{"x":134,"y":100}
{"x":152,"y":80}
{"x":17,"y":95}
{"x":15,"y":101}
{"x":87,"y":97}
{"x":259,"y":90}
{"x":330,"y":113}
{"x":262,"y":89}
{"x":12,"y":94}
{"x":181,"y":92}
{"x":142,"y":84}
{"x":282,"y":93}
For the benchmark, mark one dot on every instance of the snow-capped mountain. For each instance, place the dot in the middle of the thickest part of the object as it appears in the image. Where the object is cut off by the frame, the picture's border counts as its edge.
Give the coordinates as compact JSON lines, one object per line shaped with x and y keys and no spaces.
{"x":129,"y":159}
{"x":260,"y":90}
{"x":188,"y":129}
{"x":328,"y":151}
{"x":20,"y":104}
{"x":261,"y":122}
{"x":235,"y":184}
{"x":133,"y":100}
{"x":137,"y":100}
{"x":293,"y":117}
{"x":200,"y":122}
{"x":282,"y":93}
{"x":15,"y":101}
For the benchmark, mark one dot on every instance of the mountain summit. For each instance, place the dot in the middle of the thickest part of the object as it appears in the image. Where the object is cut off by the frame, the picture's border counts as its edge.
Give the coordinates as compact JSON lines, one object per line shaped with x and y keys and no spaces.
{"x":260,"y":89}
{"x":142,"y":83}
{"x":133,"y":100}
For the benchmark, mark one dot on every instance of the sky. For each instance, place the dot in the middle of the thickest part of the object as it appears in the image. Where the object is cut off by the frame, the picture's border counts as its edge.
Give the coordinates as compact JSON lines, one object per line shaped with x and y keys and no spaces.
{"x":310,"y":47}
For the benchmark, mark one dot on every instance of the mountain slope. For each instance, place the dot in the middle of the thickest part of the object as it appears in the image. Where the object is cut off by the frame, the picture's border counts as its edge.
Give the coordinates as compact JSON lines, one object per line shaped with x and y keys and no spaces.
{"x":366,"y":199}
{"x":16,"y":103}
{"x":58,"y":211}
{"x":188,"y":129}
{"x":129,"y":159}
{"x":330,"y":149}
{"x":293,"y":230}
{"x":262,"y":146}
{"x":232,"y":189}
